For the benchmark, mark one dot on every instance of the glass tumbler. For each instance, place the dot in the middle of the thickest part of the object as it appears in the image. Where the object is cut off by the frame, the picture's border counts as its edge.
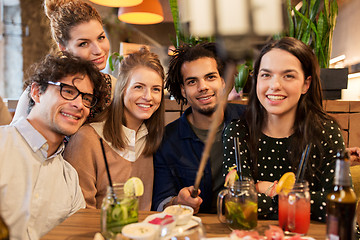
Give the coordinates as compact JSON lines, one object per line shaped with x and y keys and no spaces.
{"x":118,"y":212}
{"x":294,"y":208}
{"x":240,"y":201}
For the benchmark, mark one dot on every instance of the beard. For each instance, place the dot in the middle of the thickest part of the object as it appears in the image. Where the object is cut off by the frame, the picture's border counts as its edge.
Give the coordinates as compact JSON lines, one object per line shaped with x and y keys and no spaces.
{"x":208,"y":111}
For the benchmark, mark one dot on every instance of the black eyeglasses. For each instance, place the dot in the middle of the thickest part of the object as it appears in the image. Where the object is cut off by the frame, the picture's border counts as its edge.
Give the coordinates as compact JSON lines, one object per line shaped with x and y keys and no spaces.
{"x":69,"y":92}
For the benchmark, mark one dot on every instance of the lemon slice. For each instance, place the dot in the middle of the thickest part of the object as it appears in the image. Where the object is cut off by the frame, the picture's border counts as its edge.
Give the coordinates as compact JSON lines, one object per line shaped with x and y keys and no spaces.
{"x":286,"y":183}
{"x":134,"y":187}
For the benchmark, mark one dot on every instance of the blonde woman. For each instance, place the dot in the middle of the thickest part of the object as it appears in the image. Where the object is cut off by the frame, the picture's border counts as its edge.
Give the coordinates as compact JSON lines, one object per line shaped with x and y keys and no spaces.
{"x":132,"y":128}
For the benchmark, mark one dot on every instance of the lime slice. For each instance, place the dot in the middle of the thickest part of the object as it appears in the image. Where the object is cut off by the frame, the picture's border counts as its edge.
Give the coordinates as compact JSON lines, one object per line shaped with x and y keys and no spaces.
{"x":286,"y":183}
{"x":134,"y":187}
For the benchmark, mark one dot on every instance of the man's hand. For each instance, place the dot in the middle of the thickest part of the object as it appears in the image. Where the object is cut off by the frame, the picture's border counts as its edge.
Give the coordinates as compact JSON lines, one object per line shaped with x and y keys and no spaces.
{"x":184,"y":198}
{"x":354,"y":153}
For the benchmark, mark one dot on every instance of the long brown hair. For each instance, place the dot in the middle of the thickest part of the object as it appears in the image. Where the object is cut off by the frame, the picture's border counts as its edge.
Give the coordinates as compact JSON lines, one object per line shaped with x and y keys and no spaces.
{"x":114,"y":115}
{"x":309,"y":116}
{"x":66,"y":14}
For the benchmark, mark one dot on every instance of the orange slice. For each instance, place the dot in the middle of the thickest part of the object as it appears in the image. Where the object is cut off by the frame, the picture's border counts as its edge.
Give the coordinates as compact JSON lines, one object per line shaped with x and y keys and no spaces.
{"x":286,"y":183}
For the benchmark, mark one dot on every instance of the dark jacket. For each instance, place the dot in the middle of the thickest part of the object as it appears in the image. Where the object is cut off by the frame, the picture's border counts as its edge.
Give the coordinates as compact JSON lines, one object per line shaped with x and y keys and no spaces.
{"x":177,"y":160}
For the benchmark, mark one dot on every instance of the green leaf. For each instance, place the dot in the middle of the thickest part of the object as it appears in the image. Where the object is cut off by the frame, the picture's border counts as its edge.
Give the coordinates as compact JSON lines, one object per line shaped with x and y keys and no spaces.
{"x":326,"y":7}
{"x":242,"y":75}
{"x":314,"y":9}
{"x":314,"y":24}
{"x":290,"y":18}
{"x":114,"y":59}
{"x":306,"y":36}
{"x":307,"y":20}
{"x":175,"y":15}
{"x":321,"y":26}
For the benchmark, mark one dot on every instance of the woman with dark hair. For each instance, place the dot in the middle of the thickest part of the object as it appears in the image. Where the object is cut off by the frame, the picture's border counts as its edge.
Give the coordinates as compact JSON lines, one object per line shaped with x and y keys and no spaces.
{"x":284,"y":115}
{"x":131,"y":127}
{"x":76,"y":28}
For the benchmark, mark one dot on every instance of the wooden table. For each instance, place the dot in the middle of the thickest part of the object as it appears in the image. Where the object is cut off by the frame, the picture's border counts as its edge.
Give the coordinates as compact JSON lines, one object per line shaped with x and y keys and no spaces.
{"x":85,"y":223}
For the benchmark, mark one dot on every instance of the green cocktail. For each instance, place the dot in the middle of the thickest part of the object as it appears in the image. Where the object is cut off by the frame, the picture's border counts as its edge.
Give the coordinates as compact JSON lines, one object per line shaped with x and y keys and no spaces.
{"x":241,"y":215}
{"x":121,"y":214}
{"x":237,"y":205}
{"x":118,"y":212}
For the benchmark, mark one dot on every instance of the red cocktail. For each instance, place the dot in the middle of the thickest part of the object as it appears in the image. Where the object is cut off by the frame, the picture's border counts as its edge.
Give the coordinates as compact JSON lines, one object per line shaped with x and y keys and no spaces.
{"x":294,"y":210}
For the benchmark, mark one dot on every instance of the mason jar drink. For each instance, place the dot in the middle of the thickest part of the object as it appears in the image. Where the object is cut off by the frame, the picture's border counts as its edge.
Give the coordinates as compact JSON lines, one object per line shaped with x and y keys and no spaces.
{"x":118,"y":212}
{"x":294,"y":208}
{"x":237,"y":205}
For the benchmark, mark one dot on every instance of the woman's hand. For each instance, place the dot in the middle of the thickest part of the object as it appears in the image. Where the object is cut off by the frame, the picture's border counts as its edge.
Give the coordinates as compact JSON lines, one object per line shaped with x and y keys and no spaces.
{"x":268,"y":188}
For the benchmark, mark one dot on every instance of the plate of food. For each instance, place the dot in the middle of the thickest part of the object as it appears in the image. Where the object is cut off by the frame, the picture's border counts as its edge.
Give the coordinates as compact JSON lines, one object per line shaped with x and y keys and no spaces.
{"x":167,"y":224}
{"x":170,"y":220}
{"x":273,"y":233}
{"x":181,"y":213}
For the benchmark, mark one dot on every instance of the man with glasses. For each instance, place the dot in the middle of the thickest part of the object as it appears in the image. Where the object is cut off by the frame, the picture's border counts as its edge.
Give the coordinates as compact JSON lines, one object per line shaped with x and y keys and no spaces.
{"x":38,"y":189}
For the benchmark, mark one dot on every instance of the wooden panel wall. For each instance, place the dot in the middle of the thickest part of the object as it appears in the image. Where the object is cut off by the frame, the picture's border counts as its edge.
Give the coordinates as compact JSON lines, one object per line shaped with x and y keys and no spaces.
{"x":347,"y":113}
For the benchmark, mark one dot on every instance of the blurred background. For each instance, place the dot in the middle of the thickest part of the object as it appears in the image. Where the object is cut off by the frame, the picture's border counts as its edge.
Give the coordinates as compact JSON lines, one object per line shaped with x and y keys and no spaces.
{"x":25,"y":38}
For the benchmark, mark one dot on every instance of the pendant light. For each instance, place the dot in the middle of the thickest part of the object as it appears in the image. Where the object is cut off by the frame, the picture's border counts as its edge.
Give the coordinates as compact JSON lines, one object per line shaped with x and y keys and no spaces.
{"x":117,"y":3}
{"x":148,"y":12}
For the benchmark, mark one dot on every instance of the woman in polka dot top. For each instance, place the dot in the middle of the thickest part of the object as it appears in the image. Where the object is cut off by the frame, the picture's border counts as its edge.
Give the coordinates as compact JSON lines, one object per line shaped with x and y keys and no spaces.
{"x":284,"y":114}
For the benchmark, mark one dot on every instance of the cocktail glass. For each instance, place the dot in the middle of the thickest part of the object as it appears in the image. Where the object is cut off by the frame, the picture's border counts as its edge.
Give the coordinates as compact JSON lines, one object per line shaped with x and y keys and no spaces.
{"x":240,"y":205}
{"x":294,"y":208}
{"x":118,"y":212}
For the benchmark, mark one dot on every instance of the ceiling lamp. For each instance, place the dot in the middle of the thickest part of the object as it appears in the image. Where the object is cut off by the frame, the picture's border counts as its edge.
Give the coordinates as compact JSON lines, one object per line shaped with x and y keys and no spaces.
{"x":117,"y":3}
{"x":148,"y":12}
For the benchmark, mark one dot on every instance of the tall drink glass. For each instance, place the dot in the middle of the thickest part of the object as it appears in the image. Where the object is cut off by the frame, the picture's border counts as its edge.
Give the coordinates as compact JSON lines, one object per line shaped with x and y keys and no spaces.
{"x":294,"y":208}
{"x":115,"y":214}
{"x":240,"y":201}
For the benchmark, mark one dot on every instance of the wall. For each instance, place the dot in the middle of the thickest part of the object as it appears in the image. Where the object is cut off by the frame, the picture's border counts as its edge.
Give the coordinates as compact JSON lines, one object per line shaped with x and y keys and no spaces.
{"x":26,"y":40}
{"x":352,"y":92}
{"x":347,"y":41}
{"x":38,"y":42}
{"x":11,"y":52}
{"x":347,"y":33}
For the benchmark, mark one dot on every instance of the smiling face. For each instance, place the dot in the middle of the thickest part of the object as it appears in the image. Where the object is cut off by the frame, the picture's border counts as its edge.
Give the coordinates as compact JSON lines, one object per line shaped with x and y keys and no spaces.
{"x":88,"y":41}
{"x":55,"y":117}
{"x":142,"y":96}
{"x":202,"y":85}
{"x":280,"y":83}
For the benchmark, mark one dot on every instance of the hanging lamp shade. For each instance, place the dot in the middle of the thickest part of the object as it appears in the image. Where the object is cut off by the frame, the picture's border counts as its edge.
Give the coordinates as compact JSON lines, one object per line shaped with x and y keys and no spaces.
{"x":117,"y":3}
{"x":148,"y":12}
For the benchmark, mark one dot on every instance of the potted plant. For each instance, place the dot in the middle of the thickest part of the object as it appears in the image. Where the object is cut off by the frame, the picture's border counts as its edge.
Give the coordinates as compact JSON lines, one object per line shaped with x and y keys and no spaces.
{"x":314,"y":24}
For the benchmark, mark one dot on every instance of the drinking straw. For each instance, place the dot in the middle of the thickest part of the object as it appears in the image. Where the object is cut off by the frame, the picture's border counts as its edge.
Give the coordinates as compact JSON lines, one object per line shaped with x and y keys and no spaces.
{"x":303,"y":162}
{"x":237,"y":157}
{"x":107,"y":170}
{"x":230,"y":70}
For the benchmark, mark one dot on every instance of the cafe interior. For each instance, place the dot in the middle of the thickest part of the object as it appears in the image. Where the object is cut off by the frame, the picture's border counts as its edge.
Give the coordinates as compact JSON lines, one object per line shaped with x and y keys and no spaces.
{"x":25,"y":38}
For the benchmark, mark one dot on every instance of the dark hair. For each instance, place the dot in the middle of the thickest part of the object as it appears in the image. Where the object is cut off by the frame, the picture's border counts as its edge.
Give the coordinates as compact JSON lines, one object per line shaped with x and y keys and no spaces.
{"x":66,"y":14}
{"x":114,"y":115}
{"x":54,"y":67}
{"x":188,"y":53}
{"x":309,"y":113}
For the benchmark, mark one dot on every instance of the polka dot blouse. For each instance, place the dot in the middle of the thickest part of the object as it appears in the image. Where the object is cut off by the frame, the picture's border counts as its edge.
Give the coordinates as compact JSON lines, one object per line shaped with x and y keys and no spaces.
{"x":273,"y":162}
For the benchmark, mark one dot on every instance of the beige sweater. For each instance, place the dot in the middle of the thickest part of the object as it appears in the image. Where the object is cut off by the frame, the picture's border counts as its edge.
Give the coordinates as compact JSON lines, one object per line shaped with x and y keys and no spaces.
{"x":84,"y":153}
